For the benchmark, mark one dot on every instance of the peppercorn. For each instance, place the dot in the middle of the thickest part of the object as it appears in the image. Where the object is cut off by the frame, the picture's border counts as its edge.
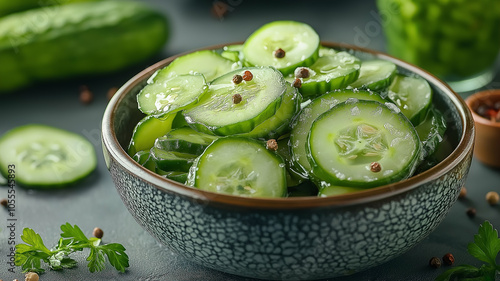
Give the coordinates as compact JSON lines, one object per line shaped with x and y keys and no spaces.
{"x":31,"y":276}
{"x":237,"y":79}
{"x":247,"y":75}
{"x":4,"y":202}
{"x":448,"y":259}
{"x":492,"y":197}
{"x":86,"y":95}
{"x":435,"y":262}
{"x":279,"y":53}
{"x":463,"y":192}
{"x":471,"y":212}
{"x":302,"y":72}
{"x":375,"y":167}
{"x":297,"y":83}
{"x":98,"y":233}
{"x":237,"y":98}
{"x":111,"y":92}
{"x":272,"y":144}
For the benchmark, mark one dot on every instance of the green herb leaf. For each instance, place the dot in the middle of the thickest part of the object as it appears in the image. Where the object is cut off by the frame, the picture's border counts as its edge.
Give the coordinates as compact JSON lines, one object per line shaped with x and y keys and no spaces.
{"x":486,"y":244}
{"x":116,"y":256}
{"x":462,"y":271}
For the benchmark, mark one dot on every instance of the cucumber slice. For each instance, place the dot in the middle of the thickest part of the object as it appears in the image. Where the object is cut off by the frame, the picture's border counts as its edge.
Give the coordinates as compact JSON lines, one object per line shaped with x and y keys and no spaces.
{"x":431,"y":130}
{"x":278,"y":124}
{"x":239,"y":166}
{"x":207,"y":62}
{"x":301,"y":125}
{"x":180,"y":177}
{"x":333,"y":190}
{"x":260,"y":97}
{"x":293,"y":177}
{"x":412,"y":95}
{"x":185,"y":140}
{"x":46,"y":157}
{"x":375,"y":75}
{"x":3,"y":181}
{"x":172,"y":161}
{"x":347,"y":141}
{"x":147,"y":131}
{"x":171,"y":95}
{"x":233,"y":52}
{"x":299,"y":41}
{"x":143,"y":158}
{"x":330,"y":72}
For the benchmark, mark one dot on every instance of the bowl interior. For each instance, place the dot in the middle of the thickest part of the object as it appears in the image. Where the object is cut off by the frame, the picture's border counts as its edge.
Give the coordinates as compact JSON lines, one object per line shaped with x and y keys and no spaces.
{"x":122,"y":115}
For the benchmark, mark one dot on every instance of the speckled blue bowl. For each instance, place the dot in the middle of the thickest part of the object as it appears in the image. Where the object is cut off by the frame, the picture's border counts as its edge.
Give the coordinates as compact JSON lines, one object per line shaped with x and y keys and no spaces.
{"x":299,"y":238}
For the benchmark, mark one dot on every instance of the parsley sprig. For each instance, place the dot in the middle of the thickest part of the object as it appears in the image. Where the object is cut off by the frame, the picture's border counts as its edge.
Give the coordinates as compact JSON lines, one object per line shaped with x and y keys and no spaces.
{"x":485,"y":248}
{"x":30,"y":255}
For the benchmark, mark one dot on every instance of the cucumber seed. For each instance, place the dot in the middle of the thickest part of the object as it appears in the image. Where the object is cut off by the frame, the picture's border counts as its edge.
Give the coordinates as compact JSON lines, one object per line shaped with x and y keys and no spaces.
{"x":375,"y":167}
{"x":297,"y":83}
{"x":237,"y":98}
{"x":279,"y":53}
{"x":237,"y":79}
{"x":272,"y":144}
{"x":247,"y":75}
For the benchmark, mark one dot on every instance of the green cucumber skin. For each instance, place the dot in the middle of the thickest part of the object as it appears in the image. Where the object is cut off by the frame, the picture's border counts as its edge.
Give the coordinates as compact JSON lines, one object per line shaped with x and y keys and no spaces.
{"x":78,"y":39}
{"x":8,"y":7}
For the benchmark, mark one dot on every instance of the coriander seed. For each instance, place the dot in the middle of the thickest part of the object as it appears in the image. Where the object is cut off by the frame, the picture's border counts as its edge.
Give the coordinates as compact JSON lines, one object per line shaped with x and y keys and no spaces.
{"x":492,"y":197}
{"x":98,"y":233}
{"x":237,"y":79}
{"x":237,"y":98}
{"x":31,"y":276}
{"x":279,"y":53}
{"x":247,"y":76}
{"x":297,"y":83}
{"x":448,"y":259}
{"x":272,"y":144}
{"x":463,"y":192}
{"x":435,"y":262}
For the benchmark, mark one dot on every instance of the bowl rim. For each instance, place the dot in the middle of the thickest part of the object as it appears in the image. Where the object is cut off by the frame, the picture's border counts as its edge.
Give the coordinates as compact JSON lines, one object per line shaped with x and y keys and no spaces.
{"x":475,"y":99}
{"x":465,"y":145}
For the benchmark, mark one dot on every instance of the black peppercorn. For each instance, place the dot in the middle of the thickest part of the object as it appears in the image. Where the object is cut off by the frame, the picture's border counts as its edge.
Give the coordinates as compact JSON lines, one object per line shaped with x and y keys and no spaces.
{"x":435,"y":262}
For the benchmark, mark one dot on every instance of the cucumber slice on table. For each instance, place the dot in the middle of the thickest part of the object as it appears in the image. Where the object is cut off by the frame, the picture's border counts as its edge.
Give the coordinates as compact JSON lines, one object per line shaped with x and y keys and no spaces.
{"x":207,"y":62}
{"x":185,"y":140}
{"x":218,"y":113}
{"x":329,"y":72}
{"x":375,"y":75}
{"x":362,"y":143}
{"x":147,"y":131}
{"x":299,"y":42}
{"x":46,"y":157}
{"x":239,"y":166}
{"x":413,"y":95}
{"x":171,"y":95}
{"x":301,"y":125}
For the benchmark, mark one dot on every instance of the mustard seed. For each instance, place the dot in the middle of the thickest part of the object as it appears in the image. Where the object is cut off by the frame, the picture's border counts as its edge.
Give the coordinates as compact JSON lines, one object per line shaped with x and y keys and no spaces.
{"x":297,"y":83}
{"x":435,"y":262}
{"x":247,"y":76}
{"x":375,"y":167}
{"x":237,"y":79}
{"x":98,"y":233}
{"x":492,"y":197}
{"x":272,"y":144}
{"x":279,"y":53}
{"x":237,"y":98}
{"x":448,"y":259}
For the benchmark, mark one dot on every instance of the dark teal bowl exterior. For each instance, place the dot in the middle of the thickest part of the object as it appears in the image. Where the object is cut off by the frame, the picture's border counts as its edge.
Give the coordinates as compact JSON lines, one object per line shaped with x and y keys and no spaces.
{"x":299,"y":239}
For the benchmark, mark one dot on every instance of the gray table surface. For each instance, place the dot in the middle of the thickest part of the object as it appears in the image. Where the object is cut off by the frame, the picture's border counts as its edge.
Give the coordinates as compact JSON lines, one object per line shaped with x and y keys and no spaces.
{"x":95,"y":201}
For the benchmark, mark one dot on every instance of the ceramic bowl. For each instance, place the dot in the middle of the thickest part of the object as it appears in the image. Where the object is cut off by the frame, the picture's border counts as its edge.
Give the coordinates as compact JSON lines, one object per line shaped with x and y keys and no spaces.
{"x":299,"y":238}
{"x":487,"y":143}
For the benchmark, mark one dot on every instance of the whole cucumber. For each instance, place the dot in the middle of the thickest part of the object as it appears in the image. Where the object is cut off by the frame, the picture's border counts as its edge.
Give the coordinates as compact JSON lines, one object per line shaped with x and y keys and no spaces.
{"x":8,"y":7}
{"x":77,"y":39}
